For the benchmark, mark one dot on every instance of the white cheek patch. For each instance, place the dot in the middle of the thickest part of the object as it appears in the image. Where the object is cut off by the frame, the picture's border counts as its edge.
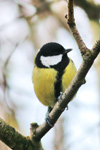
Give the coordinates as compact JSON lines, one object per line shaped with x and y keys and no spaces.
{"x":50,"y":60}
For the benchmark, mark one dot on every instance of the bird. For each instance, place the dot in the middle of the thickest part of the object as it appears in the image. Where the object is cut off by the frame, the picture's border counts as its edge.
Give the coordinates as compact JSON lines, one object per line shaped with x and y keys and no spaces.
{"x":52,"y":73}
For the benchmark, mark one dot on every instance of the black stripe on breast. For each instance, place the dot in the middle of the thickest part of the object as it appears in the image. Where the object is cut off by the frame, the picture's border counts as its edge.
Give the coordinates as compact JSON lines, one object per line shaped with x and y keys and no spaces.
{"x":60,"y":71}
{"x":58,"y":84}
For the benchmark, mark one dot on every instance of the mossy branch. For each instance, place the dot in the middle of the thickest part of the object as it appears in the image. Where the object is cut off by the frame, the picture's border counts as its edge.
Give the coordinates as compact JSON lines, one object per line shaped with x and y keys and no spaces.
{"x":15,"y":140}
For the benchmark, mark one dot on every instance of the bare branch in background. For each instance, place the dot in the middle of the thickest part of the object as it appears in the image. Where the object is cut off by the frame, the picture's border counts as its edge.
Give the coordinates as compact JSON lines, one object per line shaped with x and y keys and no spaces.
{"x":59,"y":135}
{"x":91,"y":9}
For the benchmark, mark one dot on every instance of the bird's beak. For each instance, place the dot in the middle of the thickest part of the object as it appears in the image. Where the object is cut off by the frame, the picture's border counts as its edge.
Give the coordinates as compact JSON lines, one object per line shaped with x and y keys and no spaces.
{"x":68,"y":50}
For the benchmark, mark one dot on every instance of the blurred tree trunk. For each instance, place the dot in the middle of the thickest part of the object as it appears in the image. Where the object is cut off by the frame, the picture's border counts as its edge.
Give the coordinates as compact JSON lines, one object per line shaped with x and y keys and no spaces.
{"x":59,"y":135}
{"x":97,"y":67}
{"x":96,"y":32}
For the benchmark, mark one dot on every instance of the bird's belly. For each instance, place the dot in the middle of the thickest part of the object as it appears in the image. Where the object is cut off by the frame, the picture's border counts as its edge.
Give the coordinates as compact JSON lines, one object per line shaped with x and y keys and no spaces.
{"x":44,"y":80}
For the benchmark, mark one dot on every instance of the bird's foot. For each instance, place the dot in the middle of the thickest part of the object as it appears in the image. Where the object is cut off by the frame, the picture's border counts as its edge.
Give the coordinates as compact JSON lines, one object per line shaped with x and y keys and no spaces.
{"x":48,"y":111}
{"x":60,"y":96}
{"x":67,"y":107}
{"x":47,"y":118}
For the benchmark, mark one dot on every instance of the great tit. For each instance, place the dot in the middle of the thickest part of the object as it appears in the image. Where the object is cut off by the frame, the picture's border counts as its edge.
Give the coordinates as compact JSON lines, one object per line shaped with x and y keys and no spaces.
{"x":53,"y":72}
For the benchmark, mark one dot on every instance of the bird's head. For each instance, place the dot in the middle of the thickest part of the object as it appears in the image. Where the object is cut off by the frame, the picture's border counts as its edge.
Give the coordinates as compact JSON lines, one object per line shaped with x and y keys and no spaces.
{"x":51,"y":54}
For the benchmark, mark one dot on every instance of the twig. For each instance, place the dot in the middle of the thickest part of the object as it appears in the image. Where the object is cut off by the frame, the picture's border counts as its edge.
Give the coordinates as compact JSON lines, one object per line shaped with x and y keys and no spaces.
{"x":95,"y":48}
{"x":72,"y":26}
{"x":4,"y":70}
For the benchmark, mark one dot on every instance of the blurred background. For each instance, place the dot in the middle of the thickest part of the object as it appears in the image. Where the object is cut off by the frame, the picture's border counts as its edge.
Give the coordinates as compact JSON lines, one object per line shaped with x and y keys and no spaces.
{"x":25,"y":25}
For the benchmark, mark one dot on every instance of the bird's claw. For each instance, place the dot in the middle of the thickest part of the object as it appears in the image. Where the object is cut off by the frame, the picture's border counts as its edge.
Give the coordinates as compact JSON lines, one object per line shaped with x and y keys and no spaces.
{"x":60,"y":96}
{"x":47,"y":119}
{"x":67,"y":107}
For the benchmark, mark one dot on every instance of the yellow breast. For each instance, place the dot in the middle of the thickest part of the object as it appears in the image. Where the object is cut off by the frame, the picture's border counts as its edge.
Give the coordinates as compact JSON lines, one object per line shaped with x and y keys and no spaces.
{"x":68,"y":75}
{"x":44,"y":80}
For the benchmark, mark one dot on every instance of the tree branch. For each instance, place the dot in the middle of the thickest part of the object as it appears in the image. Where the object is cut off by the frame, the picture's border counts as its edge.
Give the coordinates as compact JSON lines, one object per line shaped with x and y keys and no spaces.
{"x":88,"y":59}
{"x":15,"y":140}
{"x":72,"y":27}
